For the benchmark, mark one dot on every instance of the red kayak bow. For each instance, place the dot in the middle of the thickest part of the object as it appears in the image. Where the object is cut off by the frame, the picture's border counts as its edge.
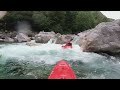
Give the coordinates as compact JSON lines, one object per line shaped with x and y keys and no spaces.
{"x":62,"y":70}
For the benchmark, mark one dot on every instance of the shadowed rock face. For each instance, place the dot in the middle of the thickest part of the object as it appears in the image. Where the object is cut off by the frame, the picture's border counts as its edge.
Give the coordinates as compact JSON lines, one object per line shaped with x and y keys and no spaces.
{"x":105,"y":37}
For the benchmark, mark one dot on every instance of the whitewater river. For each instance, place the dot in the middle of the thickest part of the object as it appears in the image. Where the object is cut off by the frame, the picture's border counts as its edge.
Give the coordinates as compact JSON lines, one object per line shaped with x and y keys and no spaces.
{"x":19,"y":61}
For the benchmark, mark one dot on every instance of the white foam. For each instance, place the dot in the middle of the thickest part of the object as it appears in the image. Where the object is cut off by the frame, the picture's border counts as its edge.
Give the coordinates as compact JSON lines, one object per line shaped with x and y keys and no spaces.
{"x":50,"y":53}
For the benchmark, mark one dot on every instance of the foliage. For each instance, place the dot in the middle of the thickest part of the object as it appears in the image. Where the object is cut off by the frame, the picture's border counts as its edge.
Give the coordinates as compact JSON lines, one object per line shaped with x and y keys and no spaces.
{"x":58,"y":21}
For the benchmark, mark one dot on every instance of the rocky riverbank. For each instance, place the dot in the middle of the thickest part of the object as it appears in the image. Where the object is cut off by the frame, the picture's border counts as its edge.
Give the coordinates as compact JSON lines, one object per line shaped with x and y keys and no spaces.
{"x":41,"y":37}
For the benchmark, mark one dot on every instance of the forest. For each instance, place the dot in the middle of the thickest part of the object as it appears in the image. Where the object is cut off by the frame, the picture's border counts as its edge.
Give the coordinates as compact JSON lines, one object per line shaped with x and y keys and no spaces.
{"x":64,"y":22}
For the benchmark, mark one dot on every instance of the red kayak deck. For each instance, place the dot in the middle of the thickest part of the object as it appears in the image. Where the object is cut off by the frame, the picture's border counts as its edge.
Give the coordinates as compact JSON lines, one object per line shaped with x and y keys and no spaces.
{"x":66,"y":47}
{"x":62,"y":70}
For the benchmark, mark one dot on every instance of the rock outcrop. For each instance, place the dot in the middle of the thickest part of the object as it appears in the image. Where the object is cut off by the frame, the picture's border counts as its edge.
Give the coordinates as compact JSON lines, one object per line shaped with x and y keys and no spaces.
{"x":105,"y":37}
{"x":44,"y":37}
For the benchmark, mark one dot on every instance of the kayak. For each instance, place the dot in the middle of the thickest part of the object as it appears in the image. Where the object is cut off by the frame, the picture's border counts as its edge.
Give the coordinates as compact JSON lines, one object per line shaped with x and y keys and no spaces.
{"x":66,"y":47}
{"x":62,"y":70}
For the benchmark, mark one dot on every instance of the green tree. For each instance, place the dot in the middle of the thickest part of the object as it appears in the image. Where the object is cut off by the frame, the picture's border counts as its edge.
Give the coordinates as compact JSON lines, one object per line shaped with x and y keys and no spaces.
{"x":99,"y":17}
{"x":70,"y":22}
{"x":41,"y":21}
{"x":13,"y":17}
{"x":56,"y":20}
{"x":85,"y":20}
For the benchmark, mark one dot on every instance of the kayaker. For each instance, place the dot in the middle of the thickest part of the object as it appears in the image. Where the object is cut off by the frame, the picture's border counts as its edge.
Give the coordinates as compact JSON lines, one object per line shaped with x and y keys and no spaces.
{"x":69,"y":43}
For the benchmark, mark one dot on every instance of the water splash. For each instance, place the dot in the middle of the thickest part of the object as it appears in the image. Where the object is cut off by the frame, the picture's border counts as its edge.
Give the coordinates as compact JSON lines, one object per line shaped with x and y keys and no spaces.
{"x":50,"y":53}
{"x":76,"y":38}
{"x":23,"y":27}
{"x":52,"y":41}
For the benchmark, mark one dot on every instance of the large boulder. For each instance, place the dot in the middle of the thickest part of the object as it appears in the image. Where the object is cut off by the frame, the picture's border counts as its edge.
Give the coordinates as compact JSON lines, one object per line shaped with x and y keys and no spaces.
{"x":44,"y":37}
{"x":105,"y":37}
{"x":20,"y":37}
{"x":8,"y":40}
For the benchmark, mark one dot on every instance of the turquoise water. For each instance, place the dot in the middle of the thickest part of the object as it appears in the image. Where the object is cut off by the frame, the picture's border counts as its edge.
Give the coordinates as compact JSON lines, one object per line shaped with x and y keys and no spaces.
{"x":19,"y":61}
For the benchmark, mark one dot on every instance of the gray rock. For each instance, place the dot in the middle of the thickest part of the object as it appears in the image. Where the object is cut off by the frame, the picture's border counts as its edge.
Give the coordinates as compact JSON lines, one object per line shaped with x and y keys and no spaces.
{"x":38,"y":39}
{"x":105,"y":37}
{"x":22,"y":38}
{"x":44,"y":37}
{"x":8,"y":40}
